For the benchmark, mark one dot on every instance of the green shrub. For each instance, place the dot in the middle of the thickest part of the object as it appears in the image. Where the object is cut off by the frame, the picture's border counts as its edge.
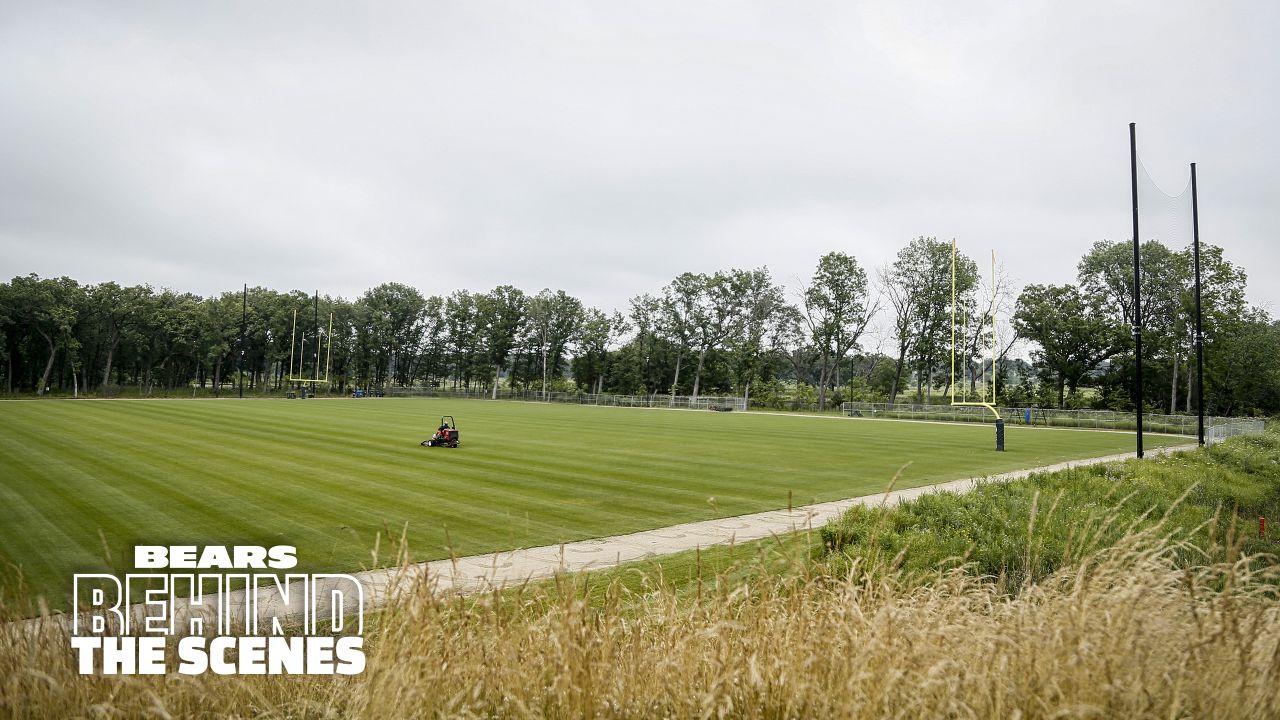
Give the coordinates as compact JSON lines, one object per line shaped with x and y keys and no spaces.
{"x":1022,"y":530}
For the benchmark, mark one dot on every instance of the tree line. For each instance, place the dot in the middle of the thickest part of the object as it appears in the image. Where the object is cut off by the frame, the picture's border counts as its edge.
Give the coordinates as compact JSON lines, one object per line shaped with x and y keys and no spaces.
{"x":840,"y":335}
{"x":1082,"y":335}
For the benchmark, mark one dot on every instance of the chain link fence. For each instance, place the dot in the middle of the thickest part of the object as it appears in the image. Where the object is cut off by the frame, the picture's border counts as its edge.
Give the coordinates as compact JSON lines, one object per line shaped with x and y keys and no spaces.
{"x":1216,"y":428}
{"x":1230,"y":428}
{"x":701,"y":402}
{"x":1095,"y":419}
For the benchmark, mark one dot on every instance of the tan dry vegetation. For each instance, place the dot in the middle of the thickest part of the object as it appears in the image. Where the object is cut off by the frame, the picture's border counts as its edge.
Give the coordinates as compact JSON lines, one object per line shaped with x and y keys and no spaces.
{"x":1124,"y":634}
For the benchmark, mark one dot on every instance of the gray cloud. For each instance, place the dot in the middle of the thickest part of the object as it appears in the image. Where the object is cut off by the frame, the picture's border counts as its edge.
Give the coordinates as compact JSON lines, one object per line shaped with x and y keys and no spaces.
{"x":604,"y":148}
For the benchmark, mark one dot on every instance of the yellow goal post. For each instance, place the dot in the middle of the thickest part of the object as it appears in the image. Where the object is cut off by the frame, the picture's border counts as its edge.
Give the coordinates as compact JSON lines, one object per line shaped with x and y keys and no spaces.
{"x":987,"y":396}
{"x":293,"y":338}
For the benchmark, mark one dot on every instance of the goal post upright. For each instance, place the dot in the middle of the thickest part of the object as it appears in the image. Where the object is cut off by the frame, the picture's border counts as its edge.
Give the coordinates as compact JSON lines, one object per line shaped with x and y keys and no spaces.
{"x":953,"y":321}
{"x":991,"y":357}
{"x":315,"y":379}
{"x":995,"y":345}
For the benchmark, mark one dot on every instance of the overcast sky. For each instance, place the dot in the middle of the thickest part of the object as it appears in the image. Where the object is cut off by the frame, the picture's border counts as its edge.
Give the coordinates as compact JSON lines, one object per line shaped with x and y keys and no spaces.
{"x":605,"y":147}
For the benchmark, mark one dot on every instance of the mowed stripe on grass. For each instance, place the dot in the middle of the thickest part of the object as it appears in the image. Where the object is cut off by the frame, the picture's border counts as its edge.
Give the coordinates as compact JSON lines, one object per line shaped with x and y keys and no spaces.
{"x":328,"y":476}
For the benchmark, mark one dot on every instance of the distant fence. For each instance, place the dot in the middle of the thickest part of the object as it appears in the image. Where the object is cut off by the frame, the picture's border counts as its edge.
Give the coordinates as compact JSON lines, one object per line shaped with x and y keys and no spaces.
{"x":701,"y":402}
{"x":1229,"y":428}
{"x":1096,"y":419}
{"x":1216,"y":428}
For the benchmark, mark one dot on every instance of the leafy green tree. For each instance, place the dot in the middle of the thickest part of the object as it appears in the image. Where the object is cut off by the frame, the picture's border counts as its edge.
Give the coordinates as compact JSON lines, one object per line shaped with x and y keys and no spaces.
{"x":168,"y":339}
{"x":500,"y":313}
{"x":219,"y":335}
{"x":836,"y":313}
{"x":119,"y":308}
{"x":917,"y":287}
{"x":1242,"y":366}
{"x":1106,"y":277}
{"x":432,"y":365}
{"x":462,"y":323}
{"x":762,"y":305}
{"x":682,"y":313}
{"x":8,"y":330}
{"x":642,"y":365}
{"x":1105,"y":274}
{"x":599,"y":331}
{"x":1072,"y":338}
{"x":50,"y":308}
{"x":554,"y":320}
{"x":718,"y":315}
{"x":395,"y":328}
{"x":1222,"y":300}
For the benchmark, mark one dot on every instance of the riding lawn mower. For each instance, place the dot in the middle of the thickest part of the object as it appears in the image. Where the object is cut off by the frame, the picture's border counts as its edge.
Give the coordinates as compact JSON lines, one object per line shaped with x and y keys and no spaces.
{"x":446,"y":435}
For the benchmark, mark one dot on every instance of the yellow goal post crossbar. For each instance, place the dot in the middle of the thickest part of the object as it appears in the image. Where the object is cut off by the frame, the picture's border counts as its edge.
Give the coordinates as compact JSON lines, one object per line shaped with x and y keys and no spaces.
{"x":964,"y":402}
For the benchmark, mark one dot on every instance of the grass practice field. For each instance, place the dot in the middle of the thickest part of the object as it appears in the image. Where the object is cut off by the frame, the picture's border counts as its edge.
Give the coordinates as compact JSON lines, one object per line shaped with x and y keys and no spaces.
{"x":82,"y":482}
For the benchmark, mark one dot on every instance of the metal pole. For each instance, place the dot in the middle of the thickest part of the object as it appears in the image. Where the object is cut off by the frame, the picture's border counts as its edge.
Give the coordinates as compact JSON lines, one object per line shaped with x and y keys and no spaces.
{"x":328,"y":349}
{"x":244,"y":321}
{"x":315,"y":320}
{"x":953,"y":323}
{"x":1137,"y":281}
{"x":293,"y":336}
{"x":1195,"y":230}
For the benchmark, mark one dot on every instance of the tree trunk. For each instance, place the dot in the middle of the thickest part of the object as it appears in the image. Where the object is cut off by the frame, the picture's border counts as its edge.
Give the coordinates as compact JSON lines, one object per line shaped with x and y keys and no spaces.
{"x":497,"y":373}
{"x":1173,"y":387}
{"x":1061,"y":391}
{"x":1189,"y":385}
{"x":111,"y":351}
{"x":697,"y":374}
{"x":897,"y":375}
{"x":48,"y":366}
{"x":676,"y":382}
{"x":824,"y":376}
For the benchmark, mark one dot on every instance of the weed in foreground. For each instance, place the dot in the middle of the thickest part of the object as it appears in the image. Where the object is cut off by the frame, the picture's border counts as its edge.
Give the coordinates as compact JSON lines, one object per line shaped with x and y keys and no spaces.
{"x":1129,"y":631}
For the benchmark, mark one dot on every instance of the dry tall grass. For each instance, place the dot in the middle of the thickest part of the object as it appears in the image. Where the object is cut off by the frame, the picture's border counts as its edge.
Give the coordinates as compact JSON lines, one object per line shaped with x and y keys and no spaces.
{"x":1126,"y":633}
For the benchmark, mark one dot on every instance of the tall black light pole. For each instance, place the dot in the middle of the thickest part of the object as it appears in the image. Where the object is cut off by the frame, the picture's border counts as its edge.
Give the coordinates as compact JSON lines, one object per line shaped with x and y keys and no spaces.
{"x":315,"y":372}
{"x":1195,"y":231}
{"x":1137,"y":281}
{"x":244,"y":321}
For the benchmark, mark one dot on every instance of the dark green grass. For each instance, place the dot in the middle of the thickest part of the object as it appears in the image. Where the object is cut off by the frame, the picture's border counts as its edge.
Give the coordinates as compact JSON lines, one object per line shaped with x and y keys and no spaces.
{"x":81,"y":482}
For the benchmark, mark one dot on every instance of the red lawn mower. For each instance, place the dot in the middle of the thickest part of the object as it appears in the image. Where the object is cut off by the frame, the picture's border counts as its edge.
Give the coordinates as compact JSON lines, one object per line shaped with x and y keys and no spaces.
{"x":446,"y":435}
